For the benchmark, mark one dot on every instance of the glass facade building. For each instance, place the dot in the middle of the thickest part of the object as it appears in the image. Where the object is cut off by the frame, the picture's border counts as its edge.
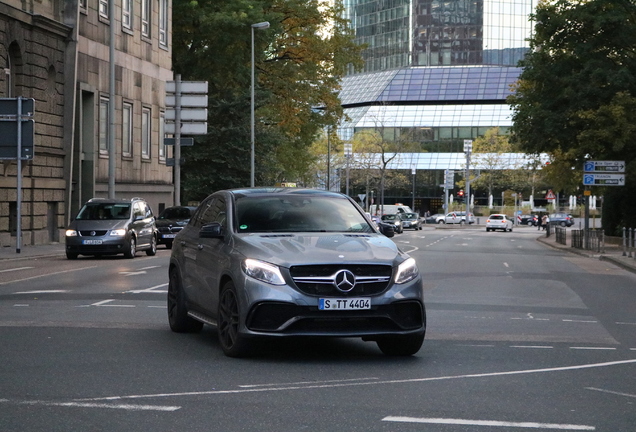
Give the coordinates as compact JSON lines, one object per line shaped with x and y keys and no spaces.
{"x":437,"y":70}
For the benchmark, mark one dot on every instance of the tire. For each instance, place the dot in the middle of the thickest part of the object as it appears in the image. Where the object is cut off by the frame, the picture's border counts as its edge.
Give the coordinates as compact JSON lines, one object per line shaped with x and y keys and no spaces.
{"x":71,"y":255}
{"x":420,"y":227}
{"x":487,"y":229}
{"x":169,"y":245}
{"x":132,"y":248}
{"x":232,"y":343}
{"x":401,"y":345}
{"x":153,"y":247}
{"x":562,"y":223}
{"x":440,"y":222}
{"x":178,"y":317}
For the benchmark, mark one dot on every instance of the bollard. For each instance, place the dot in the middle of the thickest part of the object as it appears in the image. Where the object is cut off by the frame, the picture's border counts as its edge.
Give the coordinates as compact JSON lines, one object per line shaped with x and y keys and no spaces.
{"x":630,"y":233}
{"x":624,"y":251}
{"x":633,"y":234}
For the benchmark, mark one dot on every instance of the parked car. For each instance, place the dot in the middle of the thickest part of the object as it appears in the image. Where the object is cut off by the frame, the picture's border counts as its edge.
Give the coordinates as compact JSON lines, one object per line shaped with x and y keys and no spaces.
{"x":459,"y":217}
{"x":498,"y":222}
{"x":529,"y":219}
{"x":561,"y":219}
{"x":411,"y":220}
{"x":110,"y":227}
{"x":170,"y":221}
{"x":292,"y":262}
{"x":395,"y":220}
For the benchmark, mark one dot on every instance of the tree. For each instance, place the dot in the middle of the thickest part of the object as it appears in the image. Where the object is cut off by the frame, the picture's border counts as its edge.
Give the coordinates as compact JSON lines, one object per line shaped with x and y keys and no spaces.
{"x":299,"y":62}
{"x":575,"y":97}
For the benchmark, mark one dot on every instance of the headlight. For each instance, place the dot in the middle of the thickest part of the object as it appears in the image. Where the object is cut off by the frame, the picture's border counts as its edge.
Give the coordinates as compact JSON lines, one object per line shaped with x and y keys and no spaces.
{"x":70,"y":233}
{"x":262,"y":271}
{"x":407,"y":271}
{"x":118,"y":232}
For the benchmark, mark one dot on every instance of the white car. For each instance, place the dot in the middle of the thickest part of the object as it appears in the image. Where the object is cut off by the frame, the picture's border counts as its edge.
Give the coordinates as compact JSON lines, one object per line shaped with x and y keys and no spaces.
{"x":498,"y":222}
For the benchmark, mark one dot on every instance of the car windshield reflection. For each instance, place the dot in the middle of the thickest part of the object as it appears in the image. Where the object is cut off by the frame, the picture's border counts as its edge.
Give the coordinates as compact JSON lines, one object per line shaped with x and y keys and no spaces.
{"x":301,"y":214}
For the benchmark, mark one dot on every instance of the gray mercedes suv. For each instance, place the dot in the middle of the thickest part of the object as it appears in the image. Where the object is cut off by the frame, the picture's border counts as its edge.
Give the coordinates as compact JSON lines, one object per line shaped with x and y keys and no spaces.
{"x":279,"y":262}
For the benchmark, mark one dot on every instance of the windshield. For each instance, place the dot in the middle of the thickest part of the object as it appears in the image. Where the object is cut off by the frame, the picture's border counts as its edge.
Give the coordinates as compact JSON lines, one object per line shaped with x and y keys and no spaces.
{"x":410,"y":216}
{"x":176,"y":213}
{"x":299,"y":214}
{"x":104,"y":211}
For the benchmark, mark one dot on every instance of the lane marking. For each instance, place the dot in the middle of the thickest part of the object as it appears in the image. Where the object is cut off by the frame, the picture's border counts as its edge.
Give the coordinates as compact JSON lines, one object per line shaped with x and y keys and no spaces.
{"x":611,"y":392}
{"x":16,"y":269}
{"x":625,"y":323}
{"x":580,"y":321}
{"x":593,"y":348}
{"x":151,"y":289}
{"x":309,"y":382}
{"x":532,"y":346}
{"x":127,"y":407}
{"x":46,"y":275}
{"x":531,"y":425}
{"x":133,"y":273}
{"x":506,"y":264}
{"x":104,"y":303}
{"x":42,"y":292}
{"x":366,"y":383}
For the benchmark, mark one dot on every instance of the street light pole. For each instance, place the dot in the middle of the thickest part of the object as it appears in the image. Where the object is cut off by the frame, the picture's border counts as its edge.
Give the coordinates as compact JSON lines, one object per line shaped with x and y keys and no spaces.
{"x":261,"y":26}
{"x":468,"y":149}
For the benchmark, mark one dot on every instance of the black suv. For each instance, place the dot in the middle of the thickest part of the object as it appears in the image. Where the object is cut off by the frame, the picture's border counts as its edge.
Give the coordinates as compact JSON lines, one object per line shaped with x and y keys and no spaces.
{"x":110,"y":227}
{"x":286,"y":262}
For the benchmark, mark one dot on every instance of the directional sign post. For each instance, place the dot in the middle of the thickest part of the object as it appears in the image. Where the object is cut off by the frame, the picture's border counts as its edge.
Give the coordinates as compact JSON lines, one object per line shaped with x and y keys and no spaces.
{"x":604,"y":166}
{"x":186,"y":114}
{"x":603,"y":179}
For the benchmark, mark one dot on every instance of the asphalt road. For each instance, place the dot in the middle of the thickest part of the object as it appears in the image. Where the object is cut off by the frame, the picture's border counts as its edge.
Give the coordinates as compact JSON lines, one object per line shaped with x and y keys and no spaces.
{"x":520,"y":337}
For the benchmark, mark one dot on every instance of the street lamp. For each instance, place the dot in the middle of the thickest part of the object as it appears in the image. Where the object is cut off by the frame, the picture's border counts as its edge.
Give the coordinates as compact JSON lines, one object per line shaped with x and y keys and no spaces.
{"x":260,"y":26}
{"x":468,"y":149}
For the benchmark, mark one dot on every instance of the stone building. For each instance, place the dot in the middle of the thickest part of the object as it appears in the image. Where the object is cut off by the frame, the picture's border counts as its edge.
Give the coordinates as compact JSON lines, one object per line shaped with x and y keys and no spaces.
{"x":58,"y":52}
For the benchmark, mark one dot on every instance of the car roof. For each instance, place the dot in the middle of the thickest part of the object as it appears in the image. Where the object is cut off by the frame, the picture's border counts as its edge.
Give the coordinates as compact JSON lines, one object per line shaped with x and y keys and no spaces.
{"x":276,"y":191}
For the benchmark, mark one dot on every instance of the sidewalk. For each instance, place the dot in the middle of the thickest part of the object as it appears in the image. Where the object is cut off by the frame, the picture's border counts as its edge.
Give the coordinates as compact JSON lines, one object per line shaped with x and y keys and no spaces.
{"x":29,"y":252}
{"x":612,"y":253}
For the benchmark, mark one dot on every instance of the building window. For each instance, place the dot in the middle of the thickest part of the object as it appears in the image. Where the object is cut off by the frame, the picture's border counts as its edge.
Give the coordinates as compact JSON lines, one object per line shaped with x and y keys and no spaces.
{"x":163,"y":23}
{"x":162,"y":134}
{"x":126,"y":130}
{"x":103,"y":126}
{"x":146,"y":10}
{"x":127,"y":14}
{"x":103,"y":8}
{"x":145,"y":133}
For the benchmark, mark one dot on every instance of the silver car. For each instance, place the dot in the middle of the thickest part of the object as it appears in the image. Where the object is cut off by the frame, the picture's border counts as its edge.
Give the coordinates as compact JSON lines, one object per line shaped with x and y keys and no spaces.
{"x":285,"y":262}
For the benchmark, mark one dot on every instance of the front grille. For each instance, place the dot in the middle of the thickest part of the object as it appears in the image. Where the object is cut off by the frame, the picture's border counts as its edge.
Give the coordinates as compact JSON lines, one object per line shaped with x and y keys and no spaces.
{"x":169,"y":229}
{"x":93,"y":233}
{"x":319,"y":280}
{"x":287,"y":318}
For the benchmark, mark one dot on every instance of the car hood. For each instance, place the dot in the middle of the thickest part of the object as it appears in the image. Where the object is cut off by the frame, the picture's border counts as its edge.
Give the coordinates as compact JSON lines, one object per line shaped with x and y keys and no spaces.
{"x":287,"y":250}
{"x":171,"y":222}
{"x":90,"y":225}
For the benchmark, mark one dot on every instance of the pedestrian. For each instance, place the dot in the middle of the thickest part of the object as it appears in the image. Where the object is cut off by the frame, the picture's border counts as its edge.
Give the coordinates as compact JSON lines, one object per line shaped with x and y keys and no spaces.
{"x":539,"y":222}
{"x":544,"y":221}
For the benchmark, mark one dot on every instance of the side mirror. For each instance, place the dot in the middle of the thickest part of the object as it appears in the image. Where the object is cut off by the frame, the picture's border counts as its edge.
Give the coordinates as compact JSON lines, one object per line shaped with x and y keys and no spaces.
{"x":211,"y":230}
{"x":387,"y":229}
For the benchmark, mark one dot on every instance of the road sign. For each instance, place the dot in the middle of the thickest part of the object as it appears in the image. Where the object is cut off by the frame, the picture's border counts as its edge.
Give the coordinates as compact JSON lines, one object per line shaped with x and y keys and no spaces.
{"x":604,"y":166}
{"x":200,"y":87}
{"x":604,"y":179}
{"x":550,"y":195}
{"x":449,"y":179}
{"x":187,"y":114}
{"x":9,"y":139}
{"x":187,"y":128}
{"x":183,"y":141}
{"x":9,"y":106}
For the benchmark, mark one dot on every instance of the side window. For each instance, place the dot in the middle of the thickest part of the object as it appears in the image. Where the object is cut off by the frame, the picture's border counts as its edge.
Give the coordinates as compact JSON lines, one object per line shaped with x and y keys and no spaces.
{"x":148,"y":210}
{"x":137,"y":210}
{"x":216,"y":212}
{"x":196,"y":219}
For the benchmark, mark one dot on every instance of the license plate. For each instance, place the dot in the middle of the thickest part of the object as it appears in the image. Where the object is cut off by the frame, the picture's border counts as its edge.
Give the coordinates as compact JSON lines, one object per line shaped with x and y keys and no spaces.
{"x":168,"y":235}
{"x":344,"y":304}
{"x":91,"y":242}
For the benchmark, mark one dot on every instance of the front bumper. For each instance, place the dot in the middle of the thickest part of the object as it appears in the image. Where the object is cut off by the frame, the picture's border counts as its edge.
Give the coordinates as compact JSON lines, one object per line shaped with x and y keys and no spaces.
{"x":284,"y":311}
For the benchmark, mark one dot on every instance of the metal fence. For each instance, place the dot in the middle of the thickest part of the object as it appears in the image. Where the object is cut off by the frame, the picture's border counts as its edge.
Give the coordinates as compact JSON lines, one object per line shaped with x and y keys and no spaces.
{"x":592,"y":239}
{"x":629,"y":242}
